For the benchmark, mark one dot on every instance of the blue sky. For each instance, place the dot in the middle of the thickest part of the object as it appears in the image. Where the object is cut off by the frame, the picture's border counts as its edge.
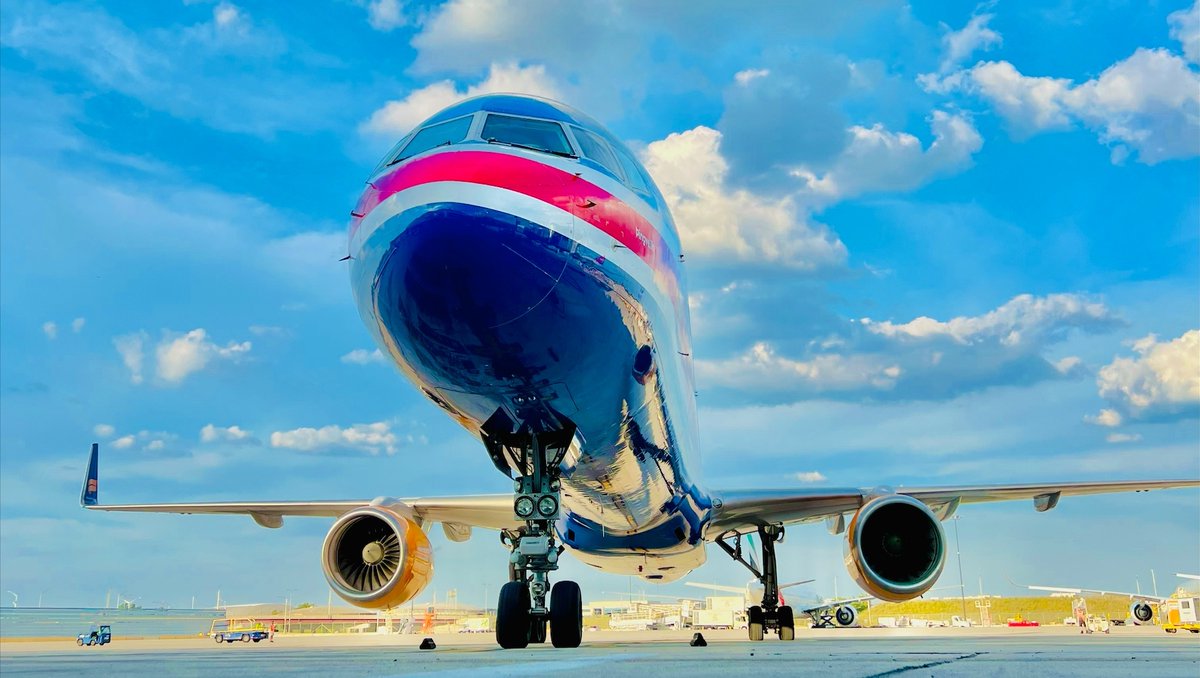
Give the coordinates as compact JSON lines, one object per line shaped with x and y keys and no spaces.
{"x":927,"y":243}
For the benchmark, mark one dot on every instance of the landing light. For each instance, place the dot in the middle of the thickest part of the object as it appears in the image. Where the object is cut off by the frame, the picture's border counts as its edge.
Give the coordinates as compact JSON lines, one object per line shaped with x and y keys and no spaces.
{"x":523,"y":507}
{"x":547,"y":506}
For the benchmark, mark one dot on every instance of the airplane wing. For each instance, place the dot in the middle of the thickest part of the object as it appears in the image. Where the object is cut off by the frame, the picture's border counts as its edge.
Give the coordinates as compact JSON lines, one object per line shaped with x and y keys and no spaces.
{"x":740,"y":590}
{"x":1131,"y":596}
{"x":744,"y":511}
{"x":491,"y":511}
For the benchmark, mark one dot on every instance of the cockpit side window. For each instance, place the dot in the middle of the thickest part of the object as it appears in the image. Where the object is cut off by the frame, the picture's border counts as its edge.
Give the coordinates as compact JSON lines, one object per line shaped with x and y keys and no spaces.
{"x":595,"y":148}
{"x":632,"y":174}
{"x":538,"y":135}
{"x":441,"y":134}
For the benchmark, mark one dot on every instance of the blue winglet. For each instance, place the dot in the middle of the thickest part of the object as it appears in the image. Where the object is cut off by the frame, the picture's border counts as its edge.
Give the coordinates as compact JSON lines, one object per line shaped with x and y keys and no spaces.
{"x":91,"y":483}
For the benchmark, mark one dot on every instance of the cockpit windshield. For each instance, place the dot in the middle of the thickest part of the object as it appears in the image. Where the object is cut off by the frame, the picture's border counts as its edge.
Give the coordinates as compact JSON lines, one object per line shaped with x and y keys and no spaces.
{"x":539,"y":135}
{"x":441,"y":134}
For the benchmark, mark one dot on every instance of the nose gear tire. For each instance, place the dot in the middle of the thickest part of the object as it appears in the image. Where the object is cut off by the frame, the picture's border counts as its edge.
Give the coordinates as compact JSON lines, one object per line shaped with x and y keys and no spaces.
{"x":566,"y":614}
{"x":512,"y":616}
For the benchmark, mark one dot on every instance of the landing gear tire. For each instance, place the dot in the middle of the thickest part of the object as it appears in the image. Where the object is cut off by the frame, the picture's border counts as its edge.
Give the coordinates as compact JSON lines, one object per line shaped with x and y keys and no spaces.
{"x":245,"y":639}
{"x":537,"y":631}
{"x":566,"y":614}
{"x":755,"y":618}
{"x":787,"y":624}
{"x":512,"y":616}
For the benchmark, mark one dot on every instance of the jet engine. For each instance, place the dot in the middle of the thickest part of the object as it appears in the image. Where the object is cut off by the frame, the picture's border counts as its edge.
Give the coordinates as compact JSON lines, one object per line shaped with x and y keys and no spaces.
{"x":845,"y":616}
{"x":895,"y":548}
{"x":1141,"y":612}
{"x":374,"y":557}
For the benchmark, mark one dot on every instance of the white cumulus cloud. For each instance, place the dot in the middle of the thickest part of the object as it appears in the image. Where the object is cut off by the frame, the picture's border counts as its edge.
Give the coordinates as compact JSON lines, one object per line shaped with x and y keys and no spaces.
{"x":131,"y":349}
{"x":1162,"y":380}
{"x":178,"y":356}
{"x":749,"y":75}
{"x":397,"y":118}
{"x":1106,"y":417}
{"x":810,"y":477}
{"x":150,"y":440}
{"x":372,"y":438}
{"x":362,"y":356}
{"x":77,"y":325}
{"x":715,"y":219}
{"x":1022,"y":320}
{"x":51,"y":329}
{"x":385,"y":15}
{"x":880,"y":160}
{"x":104,"y":430}
{"x":762,"y":368}
{"x":958,"y":45}
{"x":921,"y":359}
{"x":227,"y":434}
{"x":1185,"y":27}
{"x":1148,"y":103}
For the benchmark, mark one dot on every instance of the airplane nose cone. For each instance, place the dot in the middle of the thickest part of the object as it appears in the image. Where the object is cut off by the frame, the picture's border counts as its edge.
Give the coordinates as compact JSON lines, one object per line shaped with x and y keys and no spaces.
{"x":458,"y":266}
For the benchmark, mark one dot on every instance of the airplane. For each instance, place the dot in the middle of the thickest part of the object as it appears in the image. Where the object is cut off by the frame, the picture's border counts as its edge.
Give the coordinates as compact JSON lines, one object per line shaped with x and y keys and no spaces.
{"x":1140,"y":610}
{"x":520,"y":267}
{"x":822,"y":612}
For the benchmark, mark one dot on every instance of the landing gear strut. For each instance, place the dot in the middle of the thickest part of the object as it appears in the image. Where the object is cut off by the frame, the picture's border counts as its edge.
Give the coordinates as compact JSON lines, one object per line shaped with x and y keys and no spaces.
{"x":522,"y":613}
{"x":771,"y":616}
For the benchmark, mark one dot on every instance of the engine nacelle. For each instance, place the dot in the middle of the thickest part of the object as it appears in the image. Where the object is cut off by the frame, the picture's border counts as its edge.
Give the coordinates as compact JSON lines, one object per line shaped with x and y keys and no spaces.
{"x":376,"y":558}
{"x":895,"y":548}
{"x":845,"y":616}
{"x":1141,"y":612}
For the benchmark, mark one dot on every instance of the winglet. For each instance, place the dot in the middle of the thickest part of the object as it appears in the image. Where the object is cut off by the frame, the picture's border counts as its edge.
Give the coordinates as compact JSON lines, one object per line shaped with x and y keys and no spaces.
{"x":90,"y":496}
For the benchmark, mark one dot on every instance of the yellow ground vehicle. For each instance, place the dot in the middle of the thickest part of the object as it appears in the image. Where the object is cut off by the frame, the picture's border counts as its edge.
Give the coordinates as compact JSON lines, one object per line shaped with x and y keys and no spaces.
{"x":229,"y":630}
{"x":1182,"y":614}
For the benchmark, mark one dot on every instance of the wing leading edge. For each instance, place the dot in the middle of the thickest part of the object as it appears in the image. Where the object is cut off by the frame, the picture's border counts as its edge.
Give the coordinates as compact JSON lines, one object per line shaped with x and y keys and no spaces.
{"x":745,"y":511}
{"x":491,"y":511}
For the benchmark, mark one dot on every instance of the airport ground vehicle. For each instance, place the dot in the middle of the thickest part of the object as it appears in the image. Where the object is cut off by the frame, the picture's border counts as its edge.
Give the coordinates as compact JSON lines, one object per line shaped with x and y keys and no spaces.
{"x":1018,"y":621}
{"x":1098,"y":624}
{"x":1182,"y":614}
{"x":95,"y":636}
{"x":231,"y":630}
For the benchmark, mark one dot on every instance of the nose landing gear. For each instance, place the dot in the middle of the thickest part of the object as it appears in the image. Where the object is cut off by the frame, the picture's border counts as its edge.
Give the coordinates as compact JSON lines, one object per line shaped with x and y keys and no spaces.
{"x":522,"y":613}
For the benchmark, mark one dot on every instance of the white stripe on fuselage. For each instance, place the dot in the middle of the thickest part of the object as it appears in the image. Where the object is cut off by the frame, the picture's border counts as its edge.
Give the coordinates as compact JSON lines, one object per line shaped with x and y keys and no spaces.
{"x":520,"y":205}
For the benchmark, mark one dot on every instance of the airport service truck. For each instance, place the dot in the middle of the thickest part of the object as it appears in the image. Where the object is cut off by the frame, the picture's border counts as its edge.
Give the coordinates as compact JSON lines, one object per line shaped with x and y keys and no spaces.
{"x":712,"y":619}
{"x":230,"y":630}
{"x":1182,"y":613}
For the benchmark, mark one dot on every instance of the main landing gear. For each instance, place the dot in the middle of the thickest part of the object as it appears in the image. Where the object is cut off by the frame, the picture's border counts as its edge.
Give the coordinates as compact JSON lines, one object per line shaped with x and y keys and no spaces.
{"x":771,"y":616}
{"x":522,"y":614}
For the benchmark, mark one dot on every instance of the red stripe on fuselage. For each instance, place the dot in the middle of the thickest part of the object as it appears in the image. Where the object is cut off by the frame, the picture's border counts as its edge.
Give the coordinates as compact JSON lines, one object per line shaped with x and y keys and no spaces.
{"x":585,"y":200}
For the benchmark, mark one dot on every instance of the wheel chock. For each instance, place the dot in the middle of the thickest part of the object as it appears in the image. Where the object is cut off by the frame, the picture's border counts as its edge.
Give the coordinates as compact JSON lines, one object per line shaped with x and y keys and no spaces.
{"x":698,"y":640}
{"x":428,"y":644}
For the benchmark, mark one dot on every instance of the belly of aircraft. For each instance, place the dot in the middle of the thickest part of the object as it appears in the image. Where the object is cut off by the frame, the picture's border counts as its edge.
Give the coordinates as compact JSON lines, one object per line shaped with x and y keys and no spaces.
{"x":486,"y":311}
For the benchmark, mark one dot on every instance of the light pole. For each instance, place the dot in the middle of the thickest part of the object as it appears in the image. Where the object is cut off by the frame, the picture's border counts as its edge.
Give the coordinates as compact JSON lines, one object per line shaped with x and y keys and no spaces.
{"x":962,"y":590}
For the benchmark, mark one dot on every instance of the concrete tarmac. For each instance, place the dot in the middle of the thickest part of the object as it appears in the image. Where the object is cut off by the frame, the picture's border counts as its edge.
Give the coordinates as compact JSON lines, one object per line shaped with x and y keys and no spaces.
{"x":852,"y":652}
